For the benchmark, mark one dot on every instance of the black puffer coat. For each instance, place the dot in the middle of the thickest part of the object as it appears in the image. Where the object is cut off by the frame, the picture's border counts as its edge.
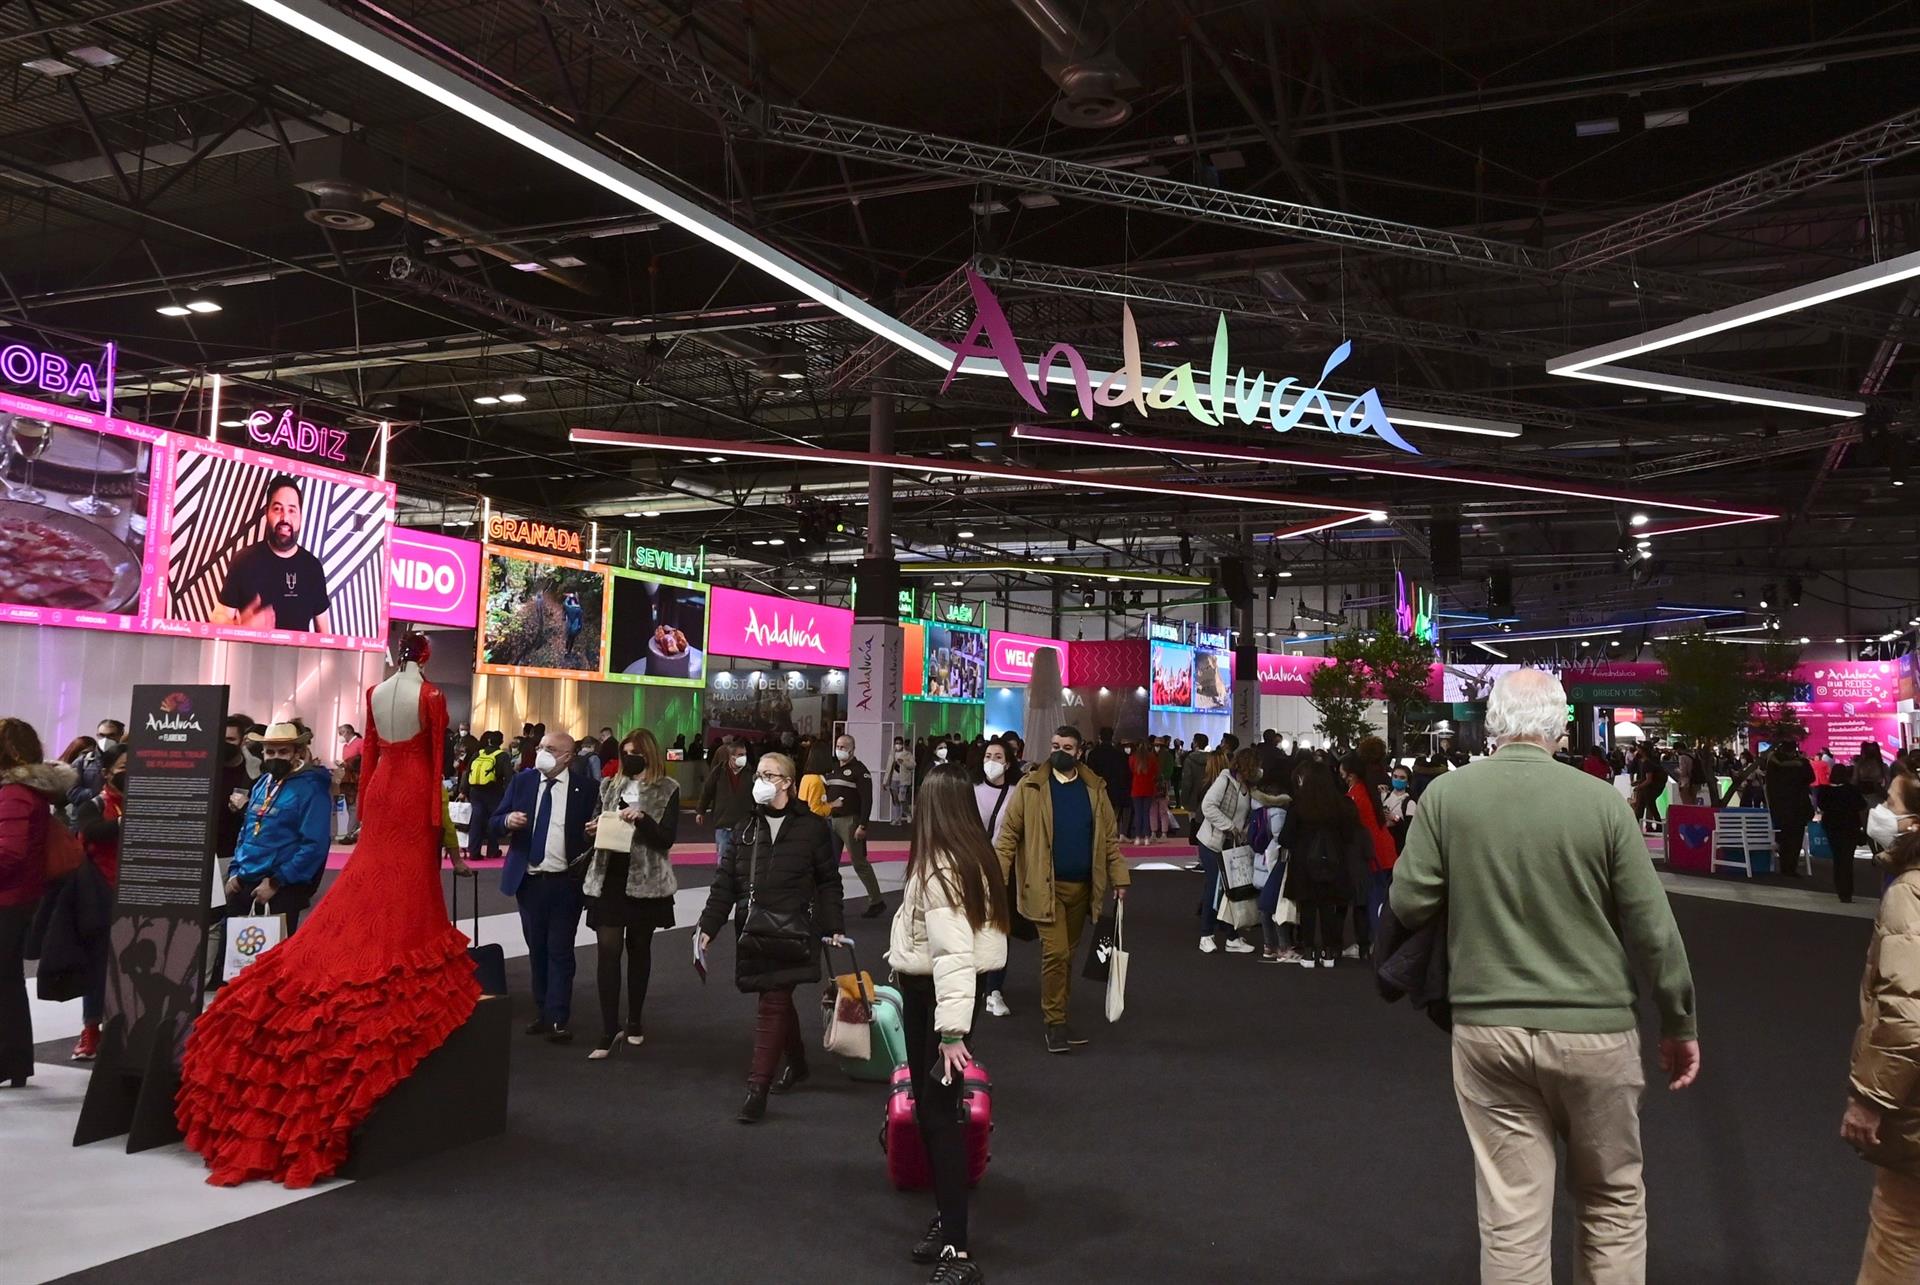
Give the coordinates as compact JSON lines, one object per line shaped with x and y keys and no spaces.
{"x":797,"y":876}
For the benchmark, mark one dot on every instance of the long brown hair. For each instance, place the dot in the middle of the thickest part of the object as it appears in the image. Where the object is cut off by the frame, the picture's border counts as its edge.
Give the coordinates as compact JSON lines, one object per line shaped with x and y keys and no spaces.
{"x":641,"y":741}
{"x":951,"y":845}
{"x":19,"y":743}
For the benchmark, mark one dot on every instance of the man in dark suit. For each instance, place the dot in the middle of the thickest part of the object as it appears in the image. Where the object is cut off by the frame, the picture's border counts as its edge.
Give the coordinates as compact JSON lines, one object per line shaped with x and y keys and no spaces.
{"x":1109,"y":762}
{"x":544,"y":817}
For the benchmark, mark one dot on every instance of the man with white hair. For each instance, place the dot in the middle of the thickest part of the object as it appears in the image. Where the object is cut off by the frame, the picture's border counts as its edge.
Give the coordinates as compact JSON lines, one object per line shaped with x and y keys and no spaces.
{"x":1551,"y":903}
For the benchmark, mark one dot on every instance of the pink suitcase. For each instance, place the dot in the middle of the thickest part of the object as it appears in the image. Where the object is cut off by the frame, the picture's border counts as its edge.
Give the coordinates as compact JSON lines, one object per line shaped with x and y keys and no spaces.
{"x":907,"y":1166}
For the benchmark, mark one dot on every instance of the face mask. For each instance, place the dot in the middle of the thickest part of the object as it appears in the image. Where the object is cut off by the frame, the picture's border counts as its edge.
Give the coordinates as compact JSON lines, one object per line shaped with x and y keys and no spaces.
{"x":545,"y":762}
{"x":118,"y":783}
{"x":1397,"y":783}
{"x":940,"y":752}
{"x":107,"y":744}
{"x":763,"y":792}
{"x":739,"y":762}
{"x":1883,"y":825}
{"x":994,"y":769}
{"x":278,"y":769}
{"x":633,"y":764}
{"x":843,"y":755}
{"x":1063,"y":761}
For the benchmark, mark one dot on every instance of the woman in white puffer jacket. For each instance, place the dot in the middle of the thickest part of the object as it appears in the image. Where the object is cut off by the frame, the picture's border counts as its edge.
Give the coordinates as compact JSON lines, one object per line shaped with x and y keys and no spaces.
{"x":950,"y":928}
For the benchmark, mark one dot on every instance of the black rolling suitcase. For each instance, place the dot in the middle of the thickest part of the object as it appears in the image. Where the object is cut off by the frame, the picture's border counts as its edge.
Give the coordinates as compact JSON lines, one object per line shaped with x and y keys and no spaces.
{"x":489,"y":962}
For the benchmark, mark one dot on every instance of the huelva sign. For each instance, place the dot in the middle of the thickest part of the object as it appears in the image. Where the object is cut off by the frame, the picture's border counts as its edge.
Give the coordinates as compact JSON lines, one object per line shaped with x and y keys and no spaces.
{"x":1283,"y":404}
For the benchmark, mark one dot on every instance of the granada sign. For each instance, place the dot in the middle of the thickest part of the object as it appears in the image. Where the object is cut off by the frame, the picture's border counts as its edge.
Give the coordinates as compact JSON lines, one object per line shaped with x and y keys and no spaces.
{"x":542,"y":537}
{"x":760,"y":626}
{"x":1010,"y":657}
{"x":1211,"y":397}
{"x":432,"y":579}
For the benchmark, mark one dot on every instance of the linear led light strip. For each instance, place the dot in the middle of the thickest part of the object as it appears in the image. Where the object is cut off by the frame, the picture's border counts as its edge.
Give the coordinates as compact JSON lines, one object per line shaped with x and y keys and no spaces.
{"x":1598,"y":362}
{"x":912,"y":464}
{"x":1110,"y":574}
{"x":1613,"y":627}
{"x":394,"y":60}
{"x":1720,"y":515}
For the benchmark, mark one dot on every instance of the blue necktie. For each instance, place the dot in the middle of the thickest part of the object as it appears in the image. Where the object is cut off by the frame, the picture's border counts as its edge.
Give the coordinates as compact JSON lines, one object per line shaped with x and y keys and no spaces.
{"x":542,"y":818}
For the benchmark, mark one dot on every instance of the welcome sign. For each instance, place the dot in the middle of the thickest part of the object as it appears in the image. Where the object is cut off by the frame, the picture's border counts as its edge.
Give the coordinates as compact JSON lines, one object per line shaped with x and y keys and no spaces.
{"x":1010,"y":657}
{"x":1282,"y":404}
{"x":760,"y":626}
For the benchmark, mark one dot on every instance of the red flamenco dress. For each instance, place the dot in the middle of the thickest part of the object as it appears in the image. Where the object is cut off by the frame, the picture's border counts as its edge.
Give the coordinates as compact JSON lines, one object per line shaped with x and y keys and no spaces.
{"x":295,"y":1052}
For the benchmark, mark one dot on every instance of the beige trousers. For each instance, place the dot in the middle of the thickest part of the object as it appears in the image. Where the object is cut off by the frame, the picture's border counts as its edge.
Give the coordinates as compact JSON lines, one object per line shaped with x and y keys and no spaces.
{"x":1519,"y":1091}
{"x":1893,"y":1231}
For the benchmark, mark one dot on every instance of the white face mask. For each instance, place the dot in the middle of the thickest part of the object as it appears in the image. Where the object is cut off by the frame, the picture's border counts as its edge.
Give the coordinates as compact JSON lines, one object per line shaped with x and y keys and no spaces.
{"x":994,"y":769}
{"x":1883,"y":825}
{"x":545,"y":762}
{"x":763,"y":792}
{"x":843,"y":755}
{"x":940,"y":752}
{"x":739,"y":762}
{"x":107,"y":744}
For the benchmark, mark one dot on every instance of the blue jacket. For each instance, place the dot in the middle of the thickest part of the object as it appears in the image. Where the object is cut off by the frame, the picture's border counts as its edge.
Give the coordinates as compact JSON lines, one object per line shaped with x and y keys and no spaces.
{"x":289,"y":840}
{"x":523,"y":795}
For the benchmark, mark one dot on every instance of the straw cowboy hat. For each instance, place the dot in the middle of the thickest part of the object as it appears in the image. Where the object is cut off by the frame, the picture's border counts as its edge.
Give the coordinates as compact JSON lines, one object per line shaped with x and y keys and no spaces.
{"x":281,"y":734}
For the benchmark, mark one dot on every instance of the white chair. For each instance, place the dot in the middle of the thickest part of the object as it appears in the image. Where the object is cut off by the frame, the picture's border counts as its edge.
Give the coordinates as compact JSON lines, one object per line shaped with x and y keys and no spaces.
{"x":1741,"y":831}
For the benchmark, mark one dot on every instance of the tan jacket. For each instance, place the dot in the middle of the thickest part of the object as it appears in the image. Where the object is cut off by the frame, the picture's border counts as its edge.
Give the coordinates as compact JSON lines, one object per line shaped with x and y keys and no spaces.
{"x":1886,"y":1051}
{"x":1025,"y":845}
{"x":932,"y":938}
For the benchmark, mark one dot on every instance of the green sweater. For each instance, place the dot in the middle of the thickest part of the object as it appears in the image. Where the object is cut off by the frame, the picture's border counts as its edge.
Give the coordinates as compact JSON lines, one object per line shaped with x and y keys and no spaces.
{"x":1550,"y":897}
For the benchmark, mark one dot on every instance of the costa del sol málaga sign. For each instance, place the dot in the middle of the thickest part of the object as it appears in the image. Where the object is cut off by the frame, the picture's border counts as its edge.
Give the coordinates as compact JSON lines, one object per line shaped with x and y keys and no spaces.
{"x":1282,"y":404}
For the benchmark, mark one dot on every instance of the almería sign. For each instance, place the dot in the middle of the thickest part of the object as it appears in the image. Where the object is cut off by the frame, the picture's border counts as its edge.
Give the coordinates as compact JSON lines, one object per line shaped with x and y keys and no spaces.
{"x":1283,"y":405}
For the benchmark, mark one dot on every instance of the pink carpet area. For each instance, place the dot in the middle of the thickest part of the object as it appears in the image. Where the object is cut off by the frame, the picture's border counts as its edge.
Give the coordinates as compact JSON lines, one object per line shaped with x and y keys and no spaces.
{"x":703,"y":854}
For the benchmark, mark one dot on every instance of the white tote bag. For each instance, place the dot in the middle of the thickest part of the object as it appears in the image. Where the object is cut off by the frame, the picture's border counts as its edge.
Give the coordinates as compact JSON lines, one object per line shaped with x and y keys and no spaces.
{"x":248,"y":938}
{"x":1239,"y":898}
{"x":1117,"y":966}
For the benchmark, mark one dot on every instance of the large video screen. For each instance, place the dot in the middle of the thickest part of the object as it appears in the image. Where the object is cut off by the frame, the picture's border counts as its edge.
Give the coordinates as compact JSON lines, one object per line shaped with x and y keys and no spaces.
{"x":542,"y":616}
{"x":1212,"y":681}
{"x":657,"y":631}
{"x":1172,"y":677}
{"x":265,"y":550}
{"x":74,"y":495}
{"x":956,"y":664}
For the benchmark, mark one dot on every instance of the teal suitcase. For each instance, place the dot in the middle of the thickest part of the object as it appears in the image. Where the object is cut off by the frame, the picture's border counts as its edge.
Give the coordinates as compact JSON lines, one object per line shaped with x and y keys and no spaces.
{"x":889,"y":1033}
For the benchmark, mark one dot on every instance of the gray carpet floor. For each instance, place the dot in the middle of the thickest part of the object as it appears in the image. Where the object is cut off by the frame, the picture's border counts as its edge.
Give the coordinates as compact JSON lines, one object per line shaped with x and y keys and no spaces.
{"x":1244,"y":1121}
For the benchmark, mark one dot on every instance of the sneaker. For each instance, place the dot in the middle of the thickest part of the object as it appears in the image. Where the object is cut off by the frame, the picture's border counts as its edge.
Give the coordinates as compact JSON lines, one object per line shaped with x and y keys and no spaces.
{"x":1308,"y":959}
{"x":955,"y":1270}
{"x":1326,"y":959}
{"x":538,"y":1027}
{"x":754,"y":1109}
{"x":1235,"y":946}
{"x":1057,"y":1040}
{"x":928,"y":1250}
{"x":997,"y":1006}
{"x":1208,"y":945}
{"x":1351,"y":952}
{"x":87,"y":1047}
{"x":1288,"y":956}
{"x":560,"y":1035}
{"x":1075,"y":1038}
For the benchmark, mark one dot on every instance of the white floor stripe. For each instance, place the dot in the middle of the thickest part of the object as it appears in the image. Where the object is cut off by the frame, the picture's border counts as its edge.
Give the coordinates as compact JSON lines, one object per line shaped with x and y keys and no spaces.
{"x":1811,"y":900}
{"x":90,"y":1205}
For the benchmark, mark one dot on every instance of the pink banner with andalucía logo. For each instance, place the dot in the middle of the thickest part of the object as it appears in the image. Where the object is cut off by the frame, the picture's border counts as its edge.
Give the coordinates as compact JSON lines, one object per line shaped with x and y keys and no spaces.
{"x":433,"y":579}
{"x":760,"y":626}
{"x":1284,"y":675}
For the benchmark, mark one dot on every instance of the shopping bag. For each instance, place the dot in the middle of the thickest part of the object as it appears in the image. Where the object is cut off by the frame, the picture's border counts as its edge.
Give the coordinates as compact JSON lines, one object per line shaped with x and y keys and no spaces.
{"x":1099,"y":965}
{"x":1263,"y":864}
{"x":1818,"y":844}
{"x":460,"y":812}
{"x":1117,"y":967}
{"x":1236,"y":873}
{"x":1237,"y":915}
{"x":249,"y":937}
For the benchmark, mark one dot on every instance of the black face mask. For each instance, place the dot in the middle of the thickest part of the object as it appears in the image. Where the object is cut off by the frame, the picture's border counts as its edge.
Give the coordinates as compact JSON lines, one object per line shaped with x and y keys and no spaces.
{"x":1063,"y":761}
{"x":278,"y":769}
{"x":633,"y":764}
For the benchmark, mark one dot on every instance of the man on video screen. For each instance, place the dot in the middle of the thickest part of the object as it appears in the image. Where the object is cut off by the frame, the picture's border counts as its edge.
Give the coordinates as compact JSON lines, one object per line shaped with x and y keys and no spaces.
{"x":274,"y":583}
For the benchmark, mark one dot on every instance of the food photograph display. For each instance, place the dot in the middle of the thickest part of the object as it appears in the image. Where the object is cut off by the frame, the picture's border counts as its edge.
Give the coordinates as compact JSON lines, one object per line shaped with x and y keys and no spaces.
{"x":657,"y":631}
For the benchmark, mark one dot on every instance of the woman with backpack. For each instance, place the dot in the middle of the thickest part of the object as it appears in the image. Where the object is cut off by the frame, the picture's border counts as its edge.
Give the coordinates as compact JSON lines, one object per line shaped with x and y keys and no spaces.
{"x":30,"y":790}
{"x":780,"y":884}
{"x":950,"y":928}
{"x":1327,"y":851}
{"x":1224,"y":811}
{"x":487,"y":778}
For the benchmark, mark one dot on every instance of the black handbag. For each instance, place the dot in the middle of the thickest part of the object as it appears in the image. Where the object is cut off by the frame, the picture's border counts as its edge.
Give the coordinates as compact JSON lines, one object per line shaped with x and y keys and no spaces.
{"x":775,"y":936}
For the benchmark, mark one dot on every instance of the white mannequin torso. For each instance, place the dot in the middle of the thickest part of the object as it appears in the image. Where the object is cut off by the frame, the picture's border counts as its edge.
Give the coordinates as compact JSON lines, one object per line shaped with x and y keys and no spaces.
{"x":396,"y":704}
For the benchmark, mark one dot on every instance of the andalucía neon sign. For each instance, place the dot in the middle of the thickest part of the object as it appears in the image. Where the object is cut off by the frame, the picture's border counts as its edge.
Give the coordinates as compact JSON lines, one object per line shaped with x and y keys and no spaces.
{"x":1284,"y":405}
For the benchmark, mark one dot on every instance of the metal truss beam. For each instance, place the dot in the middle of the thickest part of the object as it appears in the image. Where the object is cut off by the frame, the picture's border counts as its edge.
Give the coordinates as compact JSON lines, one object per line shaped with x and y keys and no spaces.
{"x":1835,"y":159}
{"x":615,"y":29}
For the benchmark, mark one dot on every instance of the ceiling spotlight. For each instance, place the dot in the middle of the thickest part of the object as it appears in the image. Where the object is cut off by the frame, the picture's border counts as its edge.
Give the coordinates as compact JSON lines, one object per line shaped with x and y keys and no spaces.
{"x":1186,"y":552}
{"x":202,"y":305}
{"x":1793,"y":591}
{"x":1376,"y":517}
{"x":776,"y":542}
{"x":173,"y":310}
{"x":1047,"y":557}
{"x":963,"y":535}
{"x":233,"y":423}
{"x":716,"y":459}
{"x":633,"y":514}
{"x":650,"y":513}
{"x":1768,"y":595}
{"x":487,"y":399}
{"x":513,"y":399}
{"x":1638,"y":519}
{"x":1086,"y":599}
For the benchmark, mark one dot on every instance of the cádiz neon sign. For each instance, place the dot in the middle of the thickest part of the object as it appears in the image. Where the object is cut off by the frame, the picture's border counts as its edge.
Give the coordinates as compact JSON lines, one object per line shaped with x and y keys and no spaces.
{"x":1283,"y":405}
{"x":283,"y":431}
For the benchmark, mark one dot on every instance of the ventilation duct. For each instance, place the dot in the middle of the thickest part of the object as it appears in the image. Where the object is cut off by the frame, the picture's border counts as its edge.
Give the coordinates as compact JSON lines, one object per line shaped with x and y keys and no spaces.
{"x":1082,"y":59}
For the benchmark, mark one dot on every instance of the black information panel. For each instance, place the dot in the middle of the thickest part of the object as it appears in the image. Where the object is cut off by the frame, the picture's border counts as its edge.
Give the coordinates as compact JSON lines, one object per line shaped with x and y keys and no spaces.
{"x":157,"y":969}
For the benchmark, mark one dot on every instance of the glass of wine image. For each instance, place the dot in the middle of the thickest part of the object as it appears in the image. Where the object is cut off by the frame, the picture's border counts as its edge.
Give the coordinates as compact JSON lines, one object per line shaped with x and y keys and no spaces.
{"x":91,"y":504}
{"x":28,"y":439}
